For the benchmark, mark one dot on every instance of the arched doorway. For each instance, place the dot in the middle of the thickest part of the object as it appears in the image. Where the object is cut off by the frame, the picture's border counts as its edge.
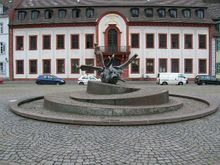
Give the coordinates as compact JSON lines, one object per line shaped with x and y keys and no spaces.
{"x":112,"y":40}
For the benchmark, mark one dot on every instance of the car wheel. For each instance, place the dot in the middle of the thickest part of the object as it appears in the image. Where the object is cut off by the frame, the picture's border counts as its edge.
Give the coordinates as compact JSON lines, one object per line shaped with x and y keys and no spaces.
{"x":164,"y":83}
{"x":57,"y":83}
{"x":81,"y":83}
{"x":180,"y":83}
{"x":38,"y":83}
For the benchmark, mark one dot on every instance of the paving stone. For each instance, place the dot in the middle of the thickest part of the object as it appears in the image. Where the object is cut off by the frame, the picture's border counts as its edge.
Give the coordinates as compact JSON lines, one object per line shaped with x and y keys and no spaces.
{"x":26,"y":141}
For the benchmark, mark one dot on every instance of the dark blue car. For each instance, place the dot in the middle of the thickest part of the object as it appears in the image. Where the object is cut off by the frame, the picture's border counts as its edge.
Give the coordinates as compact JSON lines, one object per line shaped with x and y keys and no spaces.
{"x":50,"y":80}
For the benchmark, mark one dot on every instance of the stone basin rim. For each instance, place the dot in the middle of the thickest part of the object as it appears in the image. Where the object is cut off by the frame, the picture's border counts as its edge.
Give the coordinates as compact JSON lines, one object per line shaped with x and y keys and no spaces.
{"x":14,"y":107}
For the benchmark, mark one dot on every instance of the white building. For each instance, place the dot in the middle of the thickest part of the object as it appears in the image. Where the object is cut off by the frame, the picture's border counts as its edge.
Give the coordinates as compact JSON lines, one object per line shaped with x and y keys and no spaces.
{"x":54,"y":40}
{"x":4,"y":38}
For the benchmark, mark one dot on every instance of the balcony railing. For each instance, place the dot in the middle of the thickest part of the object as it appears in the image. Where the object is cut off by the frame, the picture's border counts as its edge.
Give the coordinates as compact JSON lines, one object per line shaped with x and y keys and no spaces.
{"x":115,"y":50}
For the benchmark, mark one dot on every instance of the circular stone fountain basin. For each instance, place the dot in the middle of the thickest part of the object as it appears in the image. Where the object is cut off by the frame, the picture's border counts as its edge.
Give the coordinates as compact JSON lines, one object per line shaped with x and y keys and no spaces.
{"x":93,"y":108}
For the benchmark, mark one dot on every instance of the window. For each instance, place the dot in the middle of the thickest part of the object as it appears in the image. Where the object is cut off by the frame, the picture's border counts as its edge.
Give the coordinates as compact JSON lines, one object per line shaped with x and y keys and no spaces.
{"x":149,"y":40}
{"x":35,"y":14}
{"x":89,"y":41}
{"x":149,"y":12}
{"x":75,"y":66}
{"x":33,"y":42}
{"x":48,"y":14}
{"x":162,"y":41}
{"x":33,"y":66}
{"x":19,"y":67}
{"x":89,"y":13}
{"x":76,"y":13}
{"x":174,"y":41}
{"x":149,"y":65}
{"x":202,"y":66}
{"x":173,"y":13}
{"x":2,"y":68}
{"x":46,"y":42}
{"x":60,"y":41}
{"x":21,"y":15}
{"x":135,"y":12}
{"x":188,"y":41}
{"x":2,"y":48}
{"x":90,"y":62}
{"x":162,"y":65}
{"x":188,"y":66}
{"x":135,"y":40}
{"x":186,"y":13}
{"x":61,"y":13}
{"x":19,"y":43}
{"x":174,"y":65}
{"x":1,"y":28}
{"x":200,"y":13}
{"x":218,"y":27}
{"x":46,"y":66}
{"x":202,"y":41}
{"x":60,"y":66}
{"x":135,"y":66}
{"x":161,"y":13}
{"x":218,"y":44}
{"x":75,"y":41}
{"x":1,"y":9}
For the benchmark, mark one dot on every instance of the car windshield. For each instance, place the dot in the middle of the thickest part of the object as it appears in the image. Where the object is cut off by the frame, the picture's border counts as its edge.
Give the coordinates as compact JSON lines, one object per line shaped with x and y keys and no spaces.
{"x":92,"y":78}
{"x":181,"y":76}
{"x":84,"y":77}
{"x":213,"y":78}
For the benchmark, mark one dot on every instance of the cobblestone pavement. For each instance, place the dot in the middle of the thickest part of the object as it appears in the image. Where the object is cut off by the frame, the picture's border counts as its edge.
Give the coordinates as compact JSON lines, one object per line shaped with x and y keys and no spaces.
{"x":26,"y":141}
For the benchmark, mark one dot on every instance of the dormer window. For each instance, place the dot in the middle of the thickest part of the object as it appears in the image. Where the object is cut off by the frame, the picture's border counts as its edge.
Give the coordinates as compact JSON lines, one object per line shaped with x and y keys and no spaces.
{"x":135,"y":12}
{"x":21,"y":15}
{"x":76,"y":13}
{"x":200,"y":13}
{"x":62,"y":13}
{"x":187,"y":13}
{"x":48,"y":14}
{"x":173,"y":13}
{"x":161,"y":13}
{"x":149,"y":12}
{"x":35,"y":14}
{"x":89,"y":13}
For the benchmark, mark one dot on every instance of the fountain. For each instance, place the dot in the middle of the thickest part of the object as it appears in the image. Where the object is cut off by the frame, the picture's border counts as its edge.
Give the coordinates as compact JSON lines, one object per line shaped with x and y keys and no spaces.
{"x":105,"y":103}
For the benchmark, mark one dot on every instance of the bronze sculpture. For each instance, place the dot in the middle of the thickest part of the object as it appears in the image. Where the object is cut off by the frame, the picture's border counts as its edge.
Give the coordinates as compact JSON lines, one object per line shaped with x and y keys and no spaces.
{"x":109,"y":73}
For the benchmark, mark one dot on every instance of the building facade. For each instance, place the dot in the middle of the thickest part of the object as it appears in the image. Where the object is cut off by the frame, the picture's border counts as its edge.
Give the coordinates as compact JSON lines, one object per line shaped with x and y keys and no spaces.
{"x":4,"y":37}
{"x":48,"y":39}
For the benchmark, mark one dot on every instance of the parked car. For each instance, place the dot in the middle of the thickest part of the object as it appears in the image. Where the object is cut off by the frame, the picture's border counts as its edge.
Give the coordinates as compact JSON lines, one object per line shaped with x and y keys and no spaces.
{"x":50,"y":80}
{"x":171,"y":78}
{"x":197,"y":77}
{"x":206,"y":79}
{"x":83,"y":80}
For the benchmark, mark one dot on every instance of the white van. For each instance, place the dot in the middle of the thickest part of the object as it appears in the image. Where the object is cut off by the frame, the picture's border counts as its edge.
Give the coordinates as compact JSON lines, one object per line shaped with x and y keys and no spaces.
{"x":171,"y":78}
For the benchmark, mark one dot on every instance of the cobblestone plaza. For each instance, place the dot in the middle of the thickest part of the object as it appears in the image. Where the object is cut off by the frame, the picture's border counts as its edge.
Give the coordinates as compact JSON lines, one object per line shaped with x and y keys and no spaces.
{"x":26,"y":141}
